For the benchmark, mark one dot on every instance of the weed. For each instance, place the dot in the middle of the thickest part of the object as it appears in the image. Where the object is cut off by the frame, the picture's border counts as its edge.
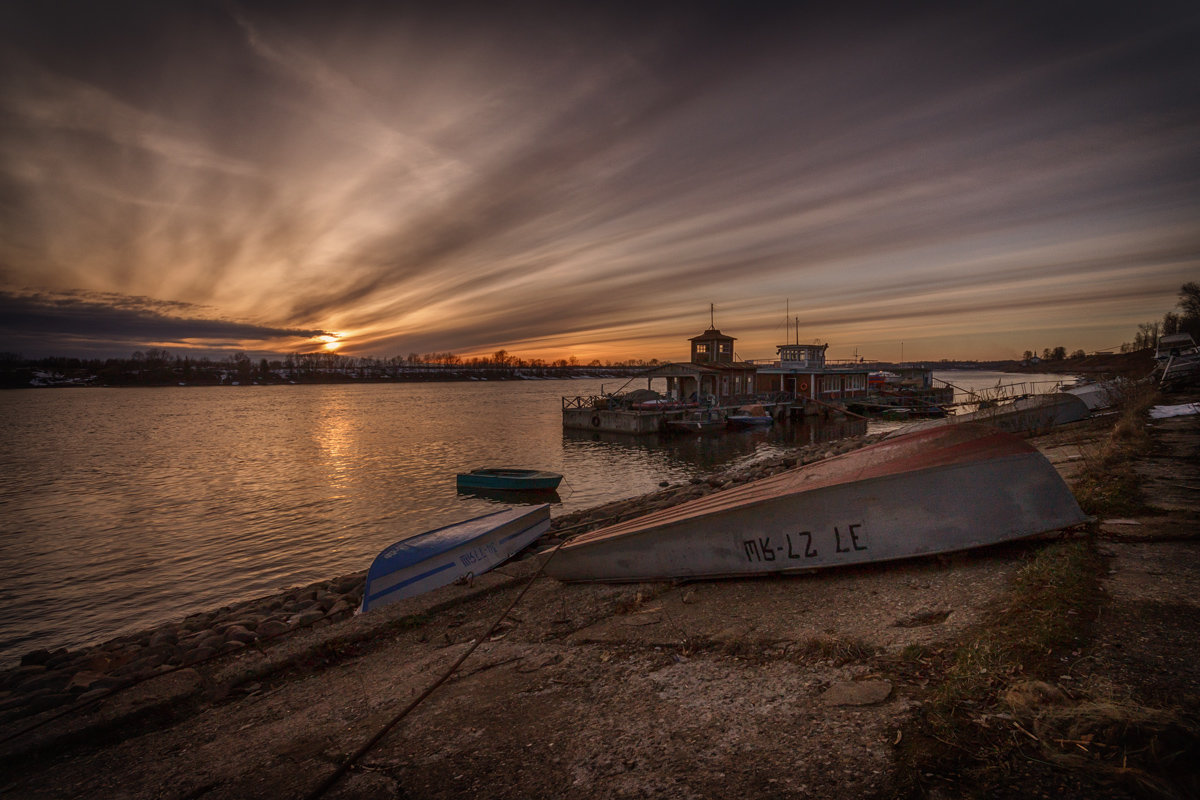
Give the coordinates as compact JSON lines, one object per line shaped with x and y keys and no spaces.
{"x":1108,"y":485}
{"x":1046,"y":612}
{"x":839,"y":651}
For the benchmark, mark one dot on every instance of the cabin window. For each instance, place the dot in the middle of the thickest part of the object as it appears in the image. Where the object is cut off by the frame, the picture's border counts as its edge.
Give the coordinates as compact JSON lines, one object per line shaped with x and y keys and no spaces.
{"x":701,"y":348}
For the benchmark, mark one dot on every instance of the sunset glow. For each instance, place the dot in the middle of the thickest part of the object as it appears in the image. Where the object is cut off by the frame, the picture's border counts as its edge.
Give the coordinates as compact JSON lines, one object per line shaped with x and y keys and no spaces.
{"x":564,"y":180}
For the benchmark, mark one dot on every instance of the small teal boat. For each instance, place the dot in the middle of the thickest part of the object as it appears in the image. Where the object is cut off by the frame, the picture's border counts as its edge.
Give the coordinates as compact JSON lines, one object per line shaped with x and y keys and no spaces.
{"x":508,"y":479}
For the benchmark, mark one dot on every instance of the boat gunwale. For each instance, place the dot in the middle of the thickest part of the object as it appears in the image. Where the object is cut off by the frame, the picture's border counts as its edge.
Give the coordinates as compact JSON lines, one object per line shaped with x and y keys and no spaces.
{"x":667,"y":518}
{"x":425,"y":536}
{"x":511,"y":472}
{"x":614,"y":531}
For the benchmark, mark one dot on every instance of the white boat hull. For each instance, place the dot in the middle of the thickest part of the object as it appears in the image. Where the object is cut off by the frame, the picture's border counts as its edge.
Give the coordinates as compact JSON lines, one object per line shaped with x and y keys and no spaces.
{"x":888,"y":501}
{"x":439,"y":557}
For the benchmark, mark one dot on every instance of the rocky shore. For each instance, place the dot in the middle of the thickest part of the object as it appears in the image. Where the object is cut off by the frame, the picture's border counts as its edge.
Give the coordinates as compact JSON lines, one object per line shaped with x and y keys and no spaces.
{"x":59,"y":679}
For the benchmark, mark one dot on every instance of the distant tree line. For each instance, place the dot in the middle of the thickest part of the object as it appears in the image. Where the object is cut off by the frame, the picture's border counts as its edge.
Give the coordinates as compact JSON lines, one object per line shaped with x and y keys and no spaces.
{"x":1053,"y":354}
{"x":159,"y":367}
{"x":1186,"y":320}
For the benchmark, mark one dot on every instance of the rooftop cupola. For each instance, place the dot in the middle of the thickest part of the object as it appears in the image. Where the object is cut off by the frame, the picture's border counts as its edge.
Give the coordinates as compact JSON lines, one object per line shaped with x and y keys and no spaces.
{"x":712,"y":347}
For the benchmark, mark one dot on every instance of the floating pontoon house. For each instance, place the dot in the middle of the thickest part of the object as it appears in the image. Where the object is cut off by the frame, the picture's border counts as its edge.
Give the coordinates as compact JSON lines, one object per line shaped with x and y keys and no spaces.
{"x":712,"y":377}
{"x":802,"y":372}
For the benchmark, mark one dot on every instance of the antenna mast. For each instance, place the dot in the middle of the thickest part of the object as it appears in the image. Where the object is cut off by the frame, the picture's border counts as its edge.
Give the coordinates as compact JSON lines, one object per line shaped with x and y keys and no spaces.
{"x":712,"y":316}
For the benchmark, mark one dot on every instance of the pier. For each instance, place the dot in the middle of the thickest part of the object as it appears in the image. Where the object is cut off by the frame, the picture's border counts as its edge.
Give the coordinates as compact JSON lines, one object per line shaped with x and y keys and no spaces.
{"x":618,"y":414}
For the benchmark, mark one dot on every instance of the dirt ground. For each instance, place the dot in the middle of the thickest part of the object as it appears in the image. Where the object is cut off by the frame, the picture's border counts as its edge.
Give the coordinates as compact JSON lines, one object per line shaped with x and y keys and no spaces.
{"x":767,"y":688}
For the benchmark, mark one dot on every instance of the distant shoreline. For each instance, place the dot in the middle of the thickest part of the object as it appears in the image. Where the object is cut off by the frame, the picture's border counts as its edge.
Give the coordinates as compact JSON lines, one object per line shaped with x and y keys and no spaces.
{"x":77,"y":379}
{"x":54,"y":373}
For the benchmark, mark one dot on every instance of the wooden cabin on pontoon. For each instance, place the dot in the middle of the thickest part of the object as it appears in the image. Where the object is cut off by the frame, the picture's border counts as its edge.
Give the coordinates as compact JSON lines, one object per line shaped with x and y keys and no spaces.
{"x":713,"y":379}
{"x":712,"y":376}
{"x":802,"y":372}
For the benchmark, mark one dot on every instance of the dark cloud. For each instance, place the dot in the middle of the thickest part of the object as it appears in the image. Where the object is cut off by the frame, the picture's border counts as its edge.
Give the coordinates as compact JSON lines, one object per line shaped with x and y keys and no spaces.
{"x":42,"y":324}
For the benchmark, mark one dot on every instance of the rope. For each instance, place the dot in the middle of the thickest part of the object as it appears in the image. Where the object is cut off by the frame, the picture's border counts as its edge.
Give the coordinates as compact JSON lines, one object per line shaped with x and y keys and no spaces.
{"x":350,"y":760}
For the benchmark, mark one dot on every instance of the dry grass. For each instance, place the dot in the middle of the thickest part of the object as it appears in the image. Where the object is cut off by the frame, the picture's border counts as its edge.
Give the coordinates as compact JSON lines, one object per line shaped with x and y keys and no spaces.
{"x":838,"y":651}
{"x":1108,"y":486}
{"x":994,"y":722}
{"x":964,"y":732}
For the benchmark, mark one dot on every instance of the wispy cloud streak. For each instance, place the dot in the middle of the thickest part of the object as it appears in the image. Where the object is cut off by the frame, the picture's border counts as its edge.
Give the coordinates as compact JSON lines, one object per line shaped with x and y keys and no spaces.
{"x":570,"y":179}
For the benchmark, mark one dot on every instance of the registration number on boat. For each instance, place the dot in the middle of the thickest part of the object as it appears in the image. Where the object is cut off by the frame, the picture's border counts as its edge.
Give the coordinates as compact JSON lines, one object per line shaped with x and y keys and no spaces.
{"x":478,"y":554}
{"x":806,"y":544}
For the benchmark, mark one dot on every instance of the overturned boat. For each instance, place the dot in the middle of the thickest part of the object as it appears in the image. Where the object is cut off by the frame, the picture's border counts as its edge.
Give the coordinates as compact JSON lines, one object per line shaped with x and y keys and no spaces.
{"x":1030,"y":415}
{"x":439,"y":557}
{"x":941,"y":490}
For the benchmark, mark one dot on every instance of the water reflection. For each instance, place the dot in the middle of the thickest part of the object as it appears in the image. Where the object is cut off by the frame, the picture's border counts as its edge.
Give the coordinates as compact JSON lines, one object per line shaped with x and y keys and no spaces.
{"x":821,"y":430}
{"x":726,"y":448}
{"x":294,"y":484}
{"x":333,"y":435}
{"x":509,"y":497}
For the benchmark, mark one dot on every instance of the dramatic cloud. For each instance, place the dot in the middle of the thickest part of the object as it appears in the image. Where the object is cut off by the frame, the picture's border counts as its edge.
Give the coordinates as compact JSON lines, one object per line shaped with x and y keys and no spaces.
{"x":91,"y":323}
{"x":586,"y":178}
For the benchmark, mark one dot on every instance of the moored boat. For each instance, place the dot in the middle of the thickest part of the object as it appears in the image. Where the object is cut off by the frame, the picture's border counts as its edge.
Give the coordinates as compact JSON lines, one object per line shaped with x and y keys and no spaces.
{"x":508,"y":478}
{"x":748,"y":421}
{"x":697,"y":422}
{"x":750,"y":417}
{"x":946,"y":489}
{"x":442,"y":556}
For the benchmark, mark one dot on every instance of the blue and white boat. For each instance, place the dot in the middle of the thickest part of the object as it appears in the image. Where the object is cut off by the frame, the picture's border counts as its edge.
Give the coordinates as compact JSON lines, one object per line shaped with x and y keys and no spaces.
{"x":442,"y":556}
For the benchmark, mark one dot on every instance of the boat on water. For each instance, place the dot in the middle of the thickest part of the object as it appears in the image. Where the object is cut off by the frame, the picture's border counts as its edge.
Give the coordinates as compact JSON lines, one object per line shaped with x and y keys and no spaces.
{"x":509,"y":479}
{"x":942,"y":490}
{"x":750,"y":417}
{"x":442,"y":556}
{"x":748,"y":421}
{"x":881,"y":378}
{"x":697,"y":422}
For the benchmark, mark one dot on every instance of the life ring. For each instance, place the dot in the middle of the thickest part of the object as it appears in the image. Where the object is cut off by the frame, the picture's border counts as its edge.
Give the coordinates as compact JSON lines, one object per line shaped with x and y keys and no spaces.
{"x":596,"y":421}
{"x":804,"y":386}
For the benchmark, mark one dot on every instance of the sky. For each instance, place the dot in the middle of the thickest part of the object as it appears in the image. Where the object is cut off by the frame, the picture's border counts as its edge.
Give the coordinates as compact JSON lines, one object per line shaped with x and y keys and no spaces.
{"x":599,"y":180}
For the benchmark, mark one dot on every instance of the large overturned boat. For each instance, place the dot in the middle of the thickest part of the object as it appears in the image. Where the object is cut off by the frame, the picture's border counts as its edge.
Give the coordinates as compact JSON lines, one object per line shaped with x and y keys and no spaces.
{"x":941,"y":490}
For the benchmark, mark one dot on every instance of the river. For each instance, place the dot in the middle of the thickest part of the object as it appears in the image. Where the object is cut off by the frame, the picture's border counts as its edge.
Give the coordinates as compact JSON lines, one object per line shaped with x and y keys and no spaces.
{"x":124,"y":508}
